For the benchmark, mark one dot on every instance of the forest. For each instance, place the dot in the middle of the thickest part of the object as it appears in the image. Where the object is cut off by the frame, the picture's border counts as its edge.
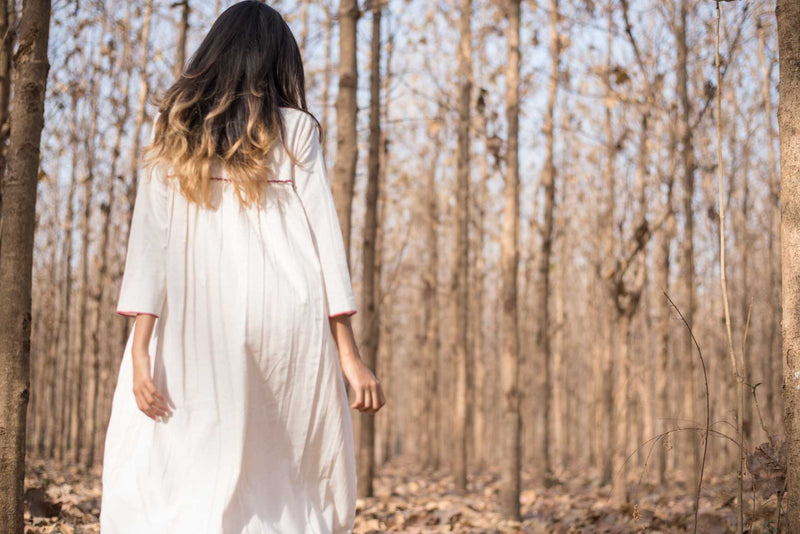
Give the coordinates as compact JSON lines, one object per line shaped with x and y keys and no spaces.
{"x":572,"y":228}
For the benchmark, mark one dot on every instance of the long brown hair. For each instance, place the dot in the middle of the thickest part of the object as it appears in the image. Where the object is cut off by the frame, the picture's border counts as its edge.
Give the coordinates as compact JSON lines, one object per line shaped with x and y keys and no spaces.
{"x":224,"y":107}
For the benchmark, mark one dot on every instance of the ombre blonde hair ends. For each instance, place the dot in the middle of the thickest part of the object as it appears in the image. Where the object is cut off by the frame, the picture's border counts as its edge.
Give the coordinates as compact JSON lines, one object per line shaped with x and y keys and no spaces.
{"x":224,"y":109}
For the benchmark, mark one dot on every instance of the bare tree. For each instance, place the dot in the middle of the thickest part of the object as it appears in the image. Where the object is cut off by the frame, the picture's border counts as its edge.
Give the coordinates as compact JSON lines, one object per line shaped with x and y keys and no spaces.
{"x":543,"y":323}
{"x":430,"y":339}
{"x":346,"y":116}
{"x":788,"y":15}
{"x":687,"y":159}
{"x":6,"y":49}
{"x":369,"y":302}
{"x":509,"y":259}
{"x":183,"y":31}
{"x":460,"y":276}
{"x":16,"y":253}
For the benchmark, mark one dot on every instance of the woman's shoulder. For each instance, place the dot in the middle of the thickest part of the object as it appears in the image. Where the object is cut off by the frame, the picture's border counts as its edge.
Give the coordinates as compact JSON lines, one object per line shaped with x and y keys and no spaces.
{"x":301,"y":129}
{"x":297,"y":118}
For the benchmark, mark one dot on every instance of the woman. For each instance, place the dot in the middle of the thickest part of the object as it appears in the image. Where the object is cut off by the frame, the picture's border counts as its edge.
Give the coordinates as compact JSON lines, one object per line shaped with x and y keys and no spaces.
{"x":230,"y":413}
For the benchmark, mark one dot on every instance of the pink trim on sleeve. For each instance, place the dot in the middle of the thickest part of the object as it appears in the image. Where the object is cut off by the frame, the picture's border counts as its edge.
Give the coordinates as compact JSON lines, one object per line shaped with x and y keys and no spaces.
{"x":348,"y":313}
{"x":135,"y":313}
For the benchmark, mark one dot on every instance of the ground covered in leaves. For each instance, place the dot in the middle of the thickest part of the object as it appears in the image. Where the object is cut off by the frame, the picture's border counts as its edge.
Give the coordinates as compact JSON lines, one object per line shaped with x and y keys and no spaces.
{"x":66,"y":501}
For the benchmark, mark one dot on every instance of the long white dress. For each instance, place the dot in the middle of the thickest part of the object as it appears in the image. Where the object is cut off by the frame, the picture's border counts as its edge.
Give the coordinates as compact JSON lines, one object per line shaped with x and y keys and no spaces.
{"x":260,"y":437}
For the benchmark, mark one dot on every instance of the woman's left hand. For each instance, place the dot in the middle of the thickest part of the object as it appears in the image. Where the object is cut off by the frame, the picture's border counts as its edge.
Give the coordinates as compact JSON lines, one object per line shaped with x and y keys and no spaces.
{"x":149,"y":400}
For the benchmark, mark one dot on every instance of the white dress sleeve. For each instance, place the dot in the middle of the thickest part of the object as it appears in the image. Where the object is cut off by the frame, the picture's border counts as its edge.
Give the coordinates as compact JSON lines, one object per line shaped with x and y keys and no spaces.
{"x":143,"y":288}
{"x":313,"y":188}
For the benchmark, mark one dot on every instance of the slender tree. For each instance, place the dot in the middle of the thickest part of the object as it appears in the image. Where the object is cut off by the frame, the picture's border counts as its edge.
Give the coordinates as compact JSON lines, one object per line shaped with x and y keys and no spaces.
{"x":788,"y":15}
{"x":344,"y":168}
{"x":430,"y":339}
{"x":16,"y":254}
{"x":6,"y":49}
{"x":81,"y":436}
{"x":460,"y":277}
{"x":183,"y":31}
{"x":509,"y":260}
{"x":687,"y":169}
{"x":369,"y":303}
{"x":543,"y":323}
{"x":774,"y":313}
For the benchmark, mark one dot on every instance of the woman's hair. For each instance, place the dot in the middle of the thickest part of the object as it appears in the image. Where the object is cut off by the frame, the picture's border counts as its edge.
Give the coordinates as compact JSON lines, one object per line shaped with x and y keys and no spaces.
{"x":224,"y":107}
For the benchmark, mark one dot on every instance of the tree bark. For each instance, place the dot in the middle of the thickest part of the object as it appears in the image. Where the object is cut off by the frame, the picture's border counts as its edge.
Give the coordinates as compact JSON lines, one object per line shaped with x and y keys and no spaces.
{"x":788,"y":16}
{"x":183,"y":31}
{"x":429,"y":345}
{"x":6,"y":50}
{"x":509,"y":264}
{"x":81,"y":435}
{"x":774,"y":246}
{"x":607,"y":308}
{"x":543,"y":326}
{"x":65,"y":328}
{"x":686,"y":347}
{"x":134,"y":158}
{"x":344,"y":169}
{"x":460,"y":295}
{"x":326,"y":77}
{"x":370,"y":310}
{"x":16,"y":254}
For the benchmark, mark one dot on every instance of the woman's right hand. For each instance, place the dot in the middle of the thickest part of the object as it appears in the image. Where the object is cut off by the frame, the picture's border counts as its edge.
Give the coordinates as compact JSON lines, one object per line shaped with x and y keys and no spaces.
{"x":149,"y":400}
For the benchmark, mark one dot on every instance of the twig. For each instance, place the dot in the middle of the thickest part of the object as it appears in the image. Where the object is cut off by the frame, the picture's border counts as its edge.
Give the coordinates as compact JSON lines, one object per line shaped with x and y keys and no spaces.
{"x":737,"y":373}
{"x":708,"y":413}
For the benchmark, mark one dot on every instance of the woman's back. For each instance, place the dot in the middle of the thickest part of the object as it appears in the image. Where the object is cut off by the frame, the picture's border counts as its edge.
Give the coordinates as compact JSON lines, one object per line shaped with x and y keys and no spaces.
{"x":245,"y":355}
{"x":236,"y":273}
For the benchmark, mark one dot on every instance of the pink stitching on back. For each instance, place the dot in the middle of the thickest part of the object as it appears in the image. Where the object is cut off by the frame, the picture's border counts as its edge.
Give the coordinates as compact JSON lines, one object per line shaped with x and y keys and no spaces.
{"x":229,"y":180}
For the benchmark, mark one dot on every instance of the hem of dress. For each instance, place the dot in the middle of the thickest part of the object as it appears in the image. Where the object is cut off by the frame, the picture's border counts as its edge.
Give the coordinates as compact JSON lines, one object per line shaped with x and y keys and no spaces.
{"x":126,"y":313}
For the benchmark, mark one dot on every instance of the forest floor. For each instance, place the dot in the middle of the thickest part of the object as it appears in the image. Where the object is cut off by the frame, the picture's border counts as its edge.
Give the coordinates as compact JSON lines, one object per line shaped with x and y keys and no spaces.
{"x":66,"y":501}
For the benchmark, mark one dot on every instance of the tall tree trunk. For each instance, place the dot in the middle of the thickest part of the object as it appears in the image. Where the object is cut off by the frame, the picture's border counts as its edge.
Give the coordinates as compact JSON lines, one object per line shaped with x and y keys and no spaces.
{"x":81,"y":436}
{"x":346,"y":116}
{"x":543,"y":326}
{"x":384,"y":297}
{"x":141,"y":110}
{"x":16,"y":254}
{"x":370,"y":314}
{"x":102,"y":259}
{"x":509,"y":265}
{"x":479,"y":436}
{"x":686,"y":347}
{"x":134,"y":158}
{"x":774,"y":246}
{"x":429,"y":346}
{"x":183,"y":31}
{"x":65,"y":349}
{"x":788,"y":15}
{"x":6,"y":51}
{"x":607,"y":308}
{"x":51,"y":403}
{"x":460,"y":295}
{"x":663,"y":263}
{"x":621,"y":395}
{"x":304,"y":28}
{"x":326,"y":77}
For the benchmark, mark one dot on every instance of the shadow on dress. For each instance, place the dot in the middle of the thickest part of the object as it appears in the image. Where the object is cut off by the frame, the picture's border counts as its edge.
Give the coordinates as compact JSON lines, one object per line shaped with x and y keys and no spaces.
{"x":269,"y":496}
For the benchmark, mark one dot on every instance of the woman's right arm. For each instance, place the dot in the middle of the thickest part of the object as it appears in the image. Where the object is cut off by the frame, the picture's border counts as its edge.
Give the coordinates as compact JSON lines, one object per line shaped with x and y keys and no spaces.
{"x":149,"y":400}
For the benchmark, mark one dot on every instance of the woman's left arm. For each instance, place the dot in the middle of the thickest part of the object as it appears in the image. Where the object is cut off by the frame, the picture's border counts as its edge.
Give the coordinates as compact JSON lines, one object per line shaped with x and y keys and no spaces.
{"x":149,"y":400}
